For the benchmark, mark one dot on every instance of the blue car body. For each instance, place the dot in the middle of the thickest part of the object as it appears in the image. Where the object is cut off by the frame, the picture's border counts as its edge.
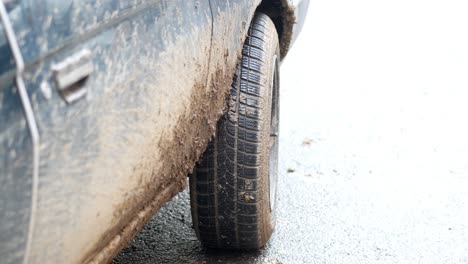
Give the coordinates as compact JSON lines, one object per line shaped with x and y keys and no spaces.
{"x":104,"y":109}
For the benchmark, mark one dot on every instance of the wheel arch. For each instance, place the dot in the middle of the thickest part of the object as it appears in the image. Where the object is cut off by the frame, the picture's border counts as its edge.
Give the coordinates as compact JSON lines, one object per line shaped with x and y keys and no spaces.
{"x":288,"y":17}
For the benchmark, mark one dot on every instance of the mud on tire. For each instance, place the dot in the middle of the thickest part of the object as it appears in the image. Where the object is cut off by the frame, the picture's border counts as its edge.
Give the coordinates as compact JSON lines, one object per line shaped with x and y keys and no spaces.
{"x":233,"y":187}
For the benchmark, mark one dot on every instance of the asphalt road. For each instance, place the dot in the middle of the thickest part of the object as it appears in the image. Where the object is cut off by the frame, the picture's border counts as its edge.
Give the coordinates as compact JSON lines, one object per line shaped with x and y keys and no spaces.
{"x":373,"y":144}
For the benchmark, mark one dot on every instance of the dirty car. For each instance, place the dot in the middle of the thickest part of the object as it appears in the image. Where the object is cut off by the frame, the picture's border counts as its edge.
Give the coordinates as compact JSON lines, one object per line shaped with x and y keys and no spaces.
{"x":106,"y":106}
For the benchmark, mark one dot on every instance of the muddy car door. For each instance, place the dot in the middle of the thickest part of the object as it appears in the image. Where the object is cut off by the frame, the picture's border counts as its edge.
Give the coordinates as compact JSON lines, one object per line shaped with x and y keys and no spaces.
{"x":110,"y":82}
{"x":16,"y":165}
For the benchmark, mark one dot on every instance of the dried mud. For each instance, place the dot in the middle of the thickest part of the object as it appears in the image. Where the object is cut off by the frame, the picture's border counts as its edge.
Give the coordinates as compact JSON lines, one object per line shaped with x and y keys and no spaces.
{"x":169,"y":157}
{"x":288,"y":18}
{"x":180,"y":152}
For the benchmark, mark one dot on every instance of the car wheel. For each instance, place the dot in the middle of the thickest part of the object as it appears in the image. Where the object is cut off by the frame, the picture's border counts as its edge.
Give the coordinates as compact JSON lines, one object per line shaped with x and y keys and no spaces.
{"x":233,"y":187}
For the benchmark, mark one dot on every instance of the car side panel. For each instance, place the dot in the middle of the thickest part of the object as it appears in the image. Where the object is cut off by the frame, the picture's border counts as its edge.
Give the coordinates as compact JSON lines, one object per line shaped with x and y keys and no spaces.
{"x":119,"y":153}
{"x":15,"y":175}
{"x":161,"y":76}
{"x":15,"y":162}
{"x":231,"y":20}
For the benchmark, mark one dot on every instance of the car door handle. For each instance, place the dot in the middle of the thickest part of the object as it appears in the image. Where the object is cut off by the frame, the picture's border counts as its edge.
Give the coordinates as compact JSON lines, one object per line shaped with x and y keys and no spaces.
{"x":72,"y":74}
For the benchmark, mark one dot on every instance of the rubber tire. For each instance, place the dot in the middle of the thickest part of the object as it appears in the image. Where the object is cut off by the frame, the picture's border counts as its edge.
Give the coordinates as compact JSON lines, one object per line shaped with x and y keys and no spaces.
{"x":230,"y":186}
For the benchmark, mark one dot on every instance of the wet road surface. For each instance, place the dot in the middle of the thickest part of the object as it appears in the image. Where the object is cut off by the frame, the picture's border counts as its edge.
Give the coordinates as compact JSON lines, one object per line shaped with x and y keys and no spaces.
{"x":373,"y":144}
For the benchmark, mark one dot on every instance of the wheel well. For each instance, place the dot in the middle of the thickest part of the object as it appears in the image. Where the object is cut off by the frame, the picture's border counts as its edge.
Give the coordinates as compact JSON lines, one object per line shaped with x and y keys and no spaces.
{"x":272,"y":8}
{"x":283,"y":17}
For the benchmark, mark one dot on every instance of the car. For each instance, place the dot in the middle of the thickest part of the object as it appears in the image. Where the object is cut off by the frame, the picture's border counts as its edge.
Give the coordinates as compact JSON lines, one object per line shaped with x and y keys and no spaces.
{"x":106,"y":107}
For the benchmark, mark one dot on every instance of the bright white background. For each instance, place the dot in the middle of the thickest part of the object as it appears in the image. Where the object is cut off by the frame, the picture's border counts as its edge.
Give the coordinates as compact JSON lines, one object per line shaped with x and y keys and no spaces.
{"x":374,"y":124}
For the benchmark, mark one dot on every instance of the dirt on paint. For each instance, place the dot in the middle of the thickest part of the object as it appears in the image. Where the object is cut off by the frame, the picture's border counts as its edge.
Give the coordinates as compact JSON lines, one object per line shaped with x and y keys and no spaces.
{"x":288,"y":18}
{"x":192,"y":134}
{"x":184,"y":144}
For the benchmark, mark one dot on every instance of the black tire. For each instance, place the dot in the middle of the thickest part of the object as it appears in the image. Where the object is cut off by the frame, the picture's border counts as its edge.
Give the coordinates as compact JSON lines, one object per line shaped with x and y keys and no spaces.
{"x":233,"y":187}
